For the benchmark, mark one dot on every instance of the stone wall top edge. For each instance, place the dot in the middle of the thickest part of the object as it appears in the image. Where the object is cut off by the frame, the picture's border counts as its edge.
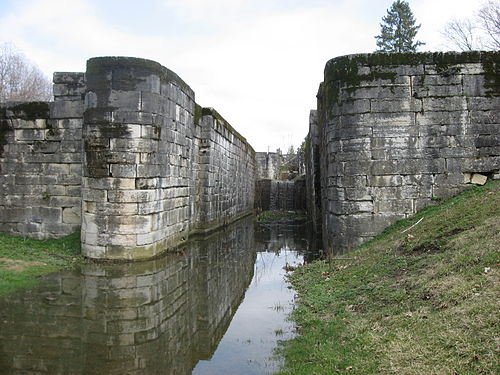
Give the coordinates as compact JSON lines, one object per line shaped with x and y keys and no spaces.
{"x":108,"y":62}
{"x":208,"y":111}
{"x":410,"y":58}
{"x":68,"y":77}
{"x":25,"y":110}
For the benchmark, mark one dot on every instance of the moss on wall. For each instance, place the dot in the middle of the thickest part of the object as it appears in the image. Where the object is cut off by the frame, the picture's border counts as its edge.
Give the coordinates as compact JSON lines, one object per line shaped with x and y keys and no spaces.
{"x":491,"y":66}
{"x":343,"y":72}
{"x":100,"y":65}
{"x":212,"y":112}
{"x":27,"y":110}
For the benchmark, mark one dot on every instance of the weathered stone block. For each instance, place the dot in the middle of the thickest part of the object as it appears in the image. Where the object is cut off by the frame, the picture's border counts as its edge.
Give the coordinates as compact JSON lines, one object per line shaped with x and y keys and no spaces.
{"x":66,"y":109}
{"x":456,"y":103}
{"x":131,"y":196}
{"x":478,"y":179}
{"x":71,"y":215}
{"x":396,"y":105}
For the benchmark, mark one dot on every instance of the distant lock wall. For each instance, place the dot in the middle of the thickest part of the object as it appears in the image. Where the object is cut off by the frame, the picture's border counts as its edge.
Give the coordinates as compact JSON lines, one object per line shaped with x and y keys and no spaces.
{"x":394,"y":133}
{"x":125,"y":155}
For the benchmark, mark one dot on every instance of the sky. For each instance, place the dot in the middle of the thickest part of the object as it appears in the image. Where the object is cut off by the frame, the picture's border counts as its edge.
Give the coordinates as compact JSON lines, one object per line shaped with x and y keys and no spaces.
{"x":257,"y":62}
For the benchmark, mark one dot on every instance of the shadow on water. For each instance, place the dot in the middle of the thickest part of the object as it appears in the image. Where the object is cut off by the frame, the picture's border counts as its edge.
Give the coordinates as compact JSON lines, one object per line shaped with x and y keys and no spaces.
{"x":220,"y":306}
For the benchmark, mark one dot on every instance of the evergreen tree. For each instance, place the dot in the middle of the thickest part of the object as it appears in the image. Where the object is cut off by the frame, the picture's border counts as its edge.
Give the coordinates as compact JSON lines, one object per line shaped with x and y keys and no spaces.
{"x":398,"y":30}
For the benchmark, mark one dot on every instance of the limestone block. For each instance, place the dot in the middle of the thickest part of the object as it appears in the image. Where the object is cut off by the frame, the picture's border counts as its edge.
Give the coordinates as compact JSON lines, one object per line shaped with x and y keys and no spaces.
{"x":478,"y":179}
{"x":376,"y":92}
{"x":387,"y":180}
{"x":402,"y":70}
{"x":109,"y":183}
{"x":127,"y":100}
{"x":71,"y":215}
{"x":124,"y":240}
{"x":69,"y":78}
{"x":467,"y":178}
{"x":355,"y":194}
{"x":50,"y":215}
{"x":148,"y":171}
{"x":384,"y":167}
{"x":446,"y":104}
{"x":401,"y":206}
{"x":474,"y":85}
{"x":29,"y":134}
{"x":350,"y":207}
{"x":458,"y":152}
{"x":15,"y":214}
{"x":56,"y":169}
{"x":396,"y":105}
{"x":123,"y":170}
{"x":131,"y":196}
{"x":66,"y":109}
{"x":442,"y":80}
{"x":147,"y":183}
{"x":398,"y":131}
{"x":148,"y":238}
{"x":438,"y":91}
{"x":92,"y":195}
{"x":355,"y":106}
{"x":122,"y":116}
{"x":68,"y":91}
{"x":68,"y":179}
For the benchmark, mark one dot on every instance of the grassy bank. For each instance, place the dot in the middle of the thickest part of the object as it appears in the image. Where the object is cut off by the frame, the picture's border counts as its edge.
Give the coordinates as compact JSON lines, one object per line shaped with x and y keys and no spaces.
{"x":22,"y":260}
{"x":421,"y":298}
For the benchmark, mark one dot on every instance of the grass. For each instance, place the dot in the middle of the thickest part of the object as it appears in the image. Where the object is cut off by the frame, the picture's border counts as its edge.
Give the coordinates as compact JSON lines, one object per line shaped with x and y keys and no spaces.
{"x":22,"y":260}
{"x":417,"y":301}
{"x":280,"y":216}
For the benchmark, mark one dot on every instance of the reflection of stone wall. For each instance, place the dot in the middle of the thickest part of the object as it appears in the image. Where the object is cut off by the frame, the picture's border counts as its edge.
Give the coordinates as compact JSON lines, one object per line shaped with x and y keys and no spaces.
{"x":152,"y":317}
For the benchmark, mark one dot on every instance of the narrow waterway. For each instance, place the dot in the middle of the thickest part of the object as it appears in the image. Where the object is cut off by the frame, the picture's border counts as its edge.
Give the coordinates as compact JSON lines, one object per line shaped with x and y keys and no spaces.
{"x":219,"y":306}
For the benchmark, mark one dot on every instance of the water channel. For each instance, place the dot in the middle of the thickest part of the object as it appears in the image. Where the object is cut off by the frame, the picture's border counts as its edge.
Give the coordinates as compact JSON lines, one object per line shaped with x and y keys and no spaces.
{"x":219,"y":306}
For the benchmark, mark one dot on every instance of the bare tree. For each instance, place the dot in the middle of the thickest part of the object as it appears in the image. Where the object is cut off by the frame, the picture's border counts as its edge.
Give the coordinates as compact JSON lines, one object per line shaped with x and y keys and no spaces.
{"x":489,"y":19}
{"x":20,"y":79}
{"x":462,"y":34}
{"x":480,"y":32}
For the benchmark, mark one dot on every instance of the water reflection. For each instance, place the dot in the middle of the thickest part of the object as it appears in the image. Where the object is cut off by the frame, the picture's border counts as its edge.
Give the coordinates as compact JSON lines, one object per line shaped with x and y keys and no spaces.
{"x":157,"y":317}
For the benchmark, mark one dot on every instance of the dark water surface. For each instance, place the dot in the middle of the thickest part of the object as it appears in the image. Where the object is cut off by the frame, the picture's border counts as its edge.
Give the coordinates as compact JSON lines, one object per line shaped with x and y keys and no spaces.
{"x":218,"y":307}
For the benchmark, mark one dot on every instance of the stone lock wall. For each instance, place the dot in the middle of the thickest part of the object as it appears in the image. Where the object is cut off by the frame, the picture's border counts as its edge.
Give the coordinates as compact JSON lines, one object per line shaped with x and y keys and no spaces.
{"x":124,"y":154}
{"x":40,"y":162}
{"x":225,"y":186}
{"x":398,"y":132}
{"x":268,"y":165}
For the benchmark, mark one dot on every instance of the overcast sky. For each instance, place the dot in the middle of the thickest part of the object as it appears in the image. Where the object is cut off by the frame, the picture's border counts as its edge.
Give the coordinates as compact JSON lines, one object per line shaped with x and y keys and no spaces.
{"x":258,"y":62}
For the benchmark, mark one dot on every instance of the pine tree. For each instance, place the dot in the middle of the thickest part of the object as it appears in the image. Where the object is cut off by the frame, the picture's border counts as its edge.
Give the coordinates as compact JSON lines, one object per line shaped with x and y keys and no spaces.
{"x":398,"y":30}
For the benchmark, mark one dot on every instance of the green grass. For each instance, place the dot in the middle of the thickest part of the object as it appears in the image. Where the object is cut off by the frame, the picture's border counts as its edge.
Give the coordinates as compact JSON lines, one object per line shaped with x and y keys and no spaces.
{"x":418,"y":301}
{"x":22,"y":260}
{"x":280,"y":216}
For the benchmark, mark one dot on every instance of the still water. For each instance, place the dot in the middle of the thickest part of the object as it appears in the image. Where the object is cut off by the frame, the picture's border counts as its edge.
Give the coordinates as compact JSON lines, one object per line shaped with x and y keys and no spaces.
{"x":219,"y":306}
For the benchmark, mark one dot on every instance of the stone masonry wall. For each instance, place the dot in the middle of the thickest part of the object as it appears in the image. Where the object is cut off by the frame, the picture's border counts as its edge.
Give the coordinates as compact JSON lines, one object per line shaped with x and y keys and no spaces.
{"x":154,"y":170}
{"x":268,"y":165}
{"x":226,"y":173}
{"x":313,"y":178}
{"x":40,"y":162}
{"x":400,"y":131}
{"x":121,"y":154}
